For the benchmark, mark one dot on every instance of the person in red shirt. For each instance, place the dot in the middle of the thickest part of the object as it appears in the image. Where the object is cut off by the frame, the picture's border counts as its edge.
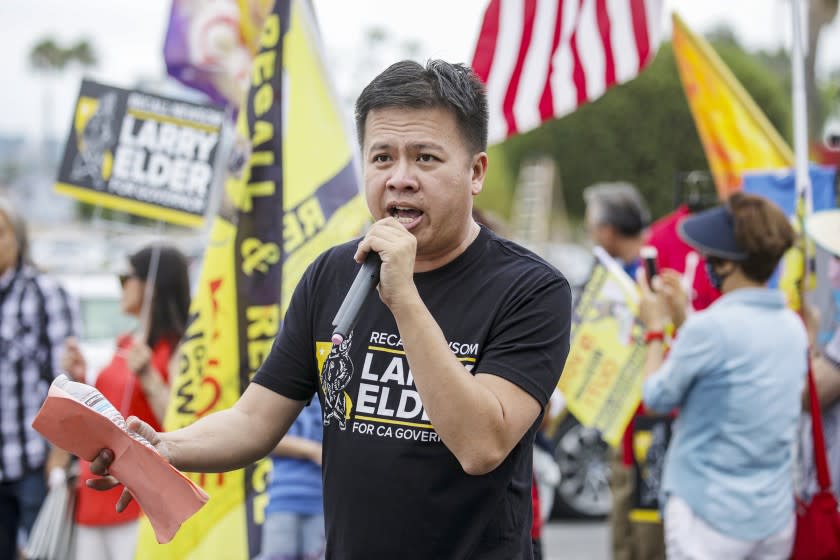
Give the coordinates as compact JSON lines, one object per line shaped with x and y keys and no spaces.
{"x":675,"y":254}
{"x":136,"y":381}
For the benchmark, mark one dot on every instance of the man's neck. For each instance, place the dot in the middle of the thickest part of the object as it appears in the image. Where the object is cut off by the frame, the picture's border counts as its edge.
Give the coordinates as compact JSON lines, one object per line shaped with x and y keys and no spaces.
{"x":426,"y":264}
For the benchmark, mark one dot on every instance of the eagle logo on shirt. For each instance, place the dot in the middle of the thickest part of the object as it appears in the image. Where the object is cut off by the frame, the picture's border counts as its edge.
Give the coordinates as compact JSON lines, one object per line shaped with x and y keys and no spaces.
{"x":337,"y":372}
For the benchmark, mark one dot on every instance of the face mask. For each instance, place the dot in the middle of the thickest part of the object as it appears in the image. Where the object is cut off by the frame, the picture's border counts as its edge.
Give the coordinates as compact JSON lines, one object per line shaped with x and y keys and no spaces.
{"x":714,"y":278}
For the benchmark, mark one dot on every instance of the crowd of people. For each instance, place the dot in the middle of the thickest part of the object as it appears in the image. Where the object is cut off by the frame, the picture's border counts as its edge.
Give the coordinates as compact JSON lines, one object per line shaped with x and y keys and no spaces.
{"x":478,"y":329}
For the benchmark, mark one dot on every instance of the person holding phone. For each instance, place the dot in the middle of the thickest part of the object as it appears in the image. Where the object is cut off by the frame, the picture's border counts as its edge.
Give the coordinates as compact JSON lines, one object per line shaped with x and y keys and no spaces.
{"x":735,"y":371}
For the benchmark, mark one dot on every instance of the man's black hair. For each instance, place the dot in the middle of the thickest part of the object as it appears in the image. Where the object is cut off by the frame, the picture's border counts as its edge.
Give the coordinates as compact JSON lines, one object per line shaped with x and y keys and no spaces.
{"x":407,"y":84}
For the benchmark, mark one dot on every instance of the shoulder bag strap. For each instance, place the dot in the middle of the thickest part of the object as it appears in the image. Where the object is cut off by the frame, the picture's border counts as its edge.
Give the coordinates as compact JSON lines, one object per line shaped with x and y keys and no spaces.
{"x":823,"y":476}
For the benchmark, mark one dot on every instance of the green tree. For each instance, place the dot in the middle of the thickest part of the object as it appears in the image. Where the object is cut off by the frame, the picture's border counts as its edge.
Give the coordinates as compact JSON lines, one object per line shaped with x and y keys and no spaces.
{"x":830,"y":93}
{"x":50,"y":59}
{"x":46,"y":56}
{"x":820,"y":14}
{"x":641,"y":131}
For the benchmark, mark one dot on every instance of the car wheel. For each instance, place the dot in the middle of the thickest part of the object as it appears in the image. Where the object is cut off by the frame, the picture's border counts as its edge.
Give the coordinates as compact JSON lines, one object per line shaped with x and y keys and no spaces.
{"x":581,"y":454}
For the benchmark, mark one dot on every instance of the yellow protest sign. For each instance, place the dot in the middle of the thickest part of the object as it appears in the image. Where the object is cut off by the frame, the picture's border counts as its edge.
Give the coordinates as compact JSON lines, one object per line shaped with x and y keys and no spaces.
{"x":292,"y":191}
{"x":602,"y":380}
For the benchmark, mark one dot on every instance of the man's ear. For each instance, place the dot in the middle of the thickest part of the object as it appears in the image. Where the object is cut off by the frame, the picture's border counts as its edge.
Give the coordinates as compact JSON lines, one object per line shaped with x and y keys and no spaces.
{"x":479,"y":172}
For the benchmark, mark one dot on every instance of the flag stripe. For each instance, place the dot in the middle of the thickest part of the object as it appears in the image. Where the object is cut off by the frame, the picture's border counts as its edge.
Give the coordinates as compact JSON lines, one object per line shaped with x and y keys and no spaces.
{"x":578,"y":73}
{"x":653,"y":12}
{"x":485,"y":47}
{"x":530,"y":9}
{"x":536,"y":67}
{"x":621,"y":29}
{"x":562,"y":84}
{"x":604,"y":26}
{"x":591,"y":51}
{"x":640,"y":30}
{"x":541,"y":59}
{"x":546,"y":105}
{"x":504,"y":60}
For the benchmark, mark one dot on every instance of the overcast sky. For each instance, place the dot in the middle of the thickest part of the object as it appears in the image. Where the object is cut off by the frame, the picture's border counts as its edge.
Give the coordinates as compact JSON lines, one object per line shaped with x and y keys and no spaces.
{"x":129,"y":38}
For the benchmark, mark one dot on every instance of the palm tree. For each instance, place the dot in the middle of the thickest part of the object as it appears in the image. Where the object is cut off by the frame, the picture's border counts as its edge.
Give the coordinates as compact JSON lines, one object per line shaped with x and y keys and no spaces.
{"x":47,"y":56}
{"x":51,"y":60}
{"x":83,"y":54}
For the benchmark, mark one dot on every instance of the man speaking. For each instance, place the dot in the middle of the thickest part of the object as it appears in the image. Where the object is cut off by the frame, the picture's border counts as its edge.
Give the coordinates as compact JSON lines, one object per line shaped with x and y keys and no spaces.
{"x":432,"y":401}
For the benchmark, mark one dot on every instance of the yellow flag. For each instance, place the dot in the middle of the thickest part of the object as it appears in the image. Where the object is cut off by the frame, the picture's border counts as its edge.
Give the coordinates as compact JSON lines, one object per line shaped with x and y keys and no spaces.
{"x":736,"y":134}
{"x":294,"y":193}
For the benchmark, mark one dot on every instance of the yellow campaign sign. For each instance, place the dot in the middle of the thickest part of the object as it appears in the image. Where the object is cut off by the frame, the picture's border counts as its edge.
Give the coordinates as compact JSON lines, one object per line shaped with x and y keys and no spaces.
{"x":206,"y":382}
{"x":602,"y":380}
{"x":293,"y":194}
{"x":736,"y":134}
{"x":144,"y":154}
{"x":795,"y":263}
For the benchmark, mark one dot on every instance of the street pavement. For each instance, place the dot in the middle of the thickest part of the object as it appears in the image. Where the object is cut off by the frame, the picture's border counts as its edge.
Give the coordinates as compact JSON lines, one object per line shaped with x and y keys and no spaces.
{"x":576,"y":540}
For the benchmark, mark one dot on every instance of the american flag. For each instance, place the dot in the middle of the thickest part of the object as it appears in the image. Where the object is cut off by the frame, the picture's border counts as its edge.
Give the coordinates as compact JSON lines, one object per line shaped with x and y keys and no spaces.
{"x":541,"y":59}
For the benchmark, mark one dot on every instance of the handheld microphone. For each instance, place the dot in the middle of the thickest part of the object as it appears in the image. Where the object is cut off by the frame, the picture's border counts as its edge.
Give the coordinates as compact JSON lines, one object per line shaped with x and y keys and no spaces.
{"x":347,"y":315}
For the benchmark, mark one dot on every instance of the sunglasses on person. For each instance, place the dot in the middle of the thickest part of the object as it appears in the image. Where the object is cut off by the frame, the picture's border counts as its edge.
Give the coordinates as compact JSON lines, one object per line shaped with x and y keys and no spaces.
{"x":126,"y":277}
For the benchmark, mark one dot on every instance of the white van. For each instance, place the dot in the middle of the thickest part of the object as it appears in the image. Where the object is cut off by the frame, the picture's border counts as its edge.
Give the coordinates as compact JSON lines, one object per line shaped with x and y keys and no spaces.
{"x":101,"y":316}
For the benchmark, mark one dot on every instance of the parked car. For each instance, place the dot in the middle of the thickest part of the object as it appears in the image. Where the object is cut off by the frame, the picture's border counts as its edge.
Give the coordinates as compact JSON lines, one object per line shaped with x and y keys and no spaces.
{"x":581,"y":455}
{"x":101,"y":316}
{"x":580,"y":452}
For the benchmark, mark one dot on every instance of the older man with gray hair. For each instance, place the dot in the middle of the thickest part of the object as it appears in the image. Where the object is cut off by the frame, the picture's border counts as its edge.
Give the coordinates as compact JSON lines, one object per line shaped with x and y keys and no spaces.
{"x":36,"y":316}
{"x":617,"y":219}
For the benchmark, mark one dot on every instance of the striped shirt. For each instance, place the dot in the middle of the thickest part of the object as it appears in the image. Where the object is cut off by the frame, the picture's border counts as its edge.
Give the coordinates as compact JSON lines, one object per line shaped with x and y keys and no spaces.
{"x":36,"y":316}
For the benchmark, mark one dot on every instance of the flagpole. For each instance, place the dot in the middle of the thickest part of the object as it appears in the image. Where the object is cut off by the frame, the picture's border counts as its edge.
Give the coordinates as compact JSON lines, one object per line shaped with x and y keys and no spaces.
{"x":800,"y":136}
{"x":800,"y":111}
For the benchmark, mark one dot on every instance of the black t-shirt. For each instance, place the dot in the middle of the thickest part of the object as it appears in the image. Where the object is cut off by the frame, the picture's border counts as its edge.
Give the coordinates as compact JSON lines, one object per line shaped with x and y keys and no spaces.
{"x":391,"y":487}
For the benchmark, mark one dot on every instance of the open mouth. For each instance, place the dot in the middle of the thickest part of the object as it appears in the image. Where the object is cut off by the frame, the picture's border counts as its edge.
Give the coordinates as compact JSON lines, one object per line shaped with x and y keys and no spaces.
{"x":407,"y":216}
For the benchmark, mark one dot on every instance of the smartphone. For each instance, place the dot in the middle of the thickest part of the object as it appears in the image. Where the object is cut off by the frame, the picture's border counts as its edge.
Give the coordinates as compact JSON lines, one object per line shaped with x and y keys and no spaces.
{"x":649,"y":254}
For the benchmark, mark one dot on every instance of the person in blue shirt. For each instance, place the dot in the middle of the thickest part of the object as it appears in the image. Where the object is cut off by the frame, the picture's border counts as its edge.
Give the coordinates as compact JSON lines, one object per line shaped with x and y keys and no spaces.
{"x":736,"y":372}
{"x":294,"y":524}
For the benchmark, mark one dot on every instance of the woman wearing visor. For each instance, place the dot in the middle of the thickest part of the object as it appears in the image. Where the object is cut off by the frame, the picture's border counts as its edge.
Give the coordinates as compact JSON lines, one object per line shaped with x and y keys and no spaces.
{"x":736,"y":372}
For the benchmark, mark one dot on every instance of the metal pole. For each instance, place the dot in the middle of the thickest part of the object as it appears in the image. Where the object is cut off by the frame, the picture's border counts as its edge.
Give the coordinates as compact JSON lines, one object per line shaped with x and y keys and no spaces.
{"x":800,"y":111}
{"x":800,"y":135}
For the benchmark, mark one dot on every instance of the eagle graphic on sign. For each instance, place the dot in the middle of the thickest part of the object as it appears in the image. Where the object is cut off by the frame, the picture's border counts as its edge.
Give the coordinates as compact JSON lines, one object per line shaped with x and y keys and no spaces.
{"x":95,"y":136}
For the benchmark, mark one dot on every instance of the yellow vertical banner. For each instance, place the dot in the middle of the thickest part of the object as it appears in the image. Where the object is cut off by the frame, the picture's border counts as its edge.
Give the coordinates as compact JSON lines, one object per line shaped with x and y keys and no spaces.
{"x":736,"y":134}
{"x":292,"y":191}
{"x":602,"y":379}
